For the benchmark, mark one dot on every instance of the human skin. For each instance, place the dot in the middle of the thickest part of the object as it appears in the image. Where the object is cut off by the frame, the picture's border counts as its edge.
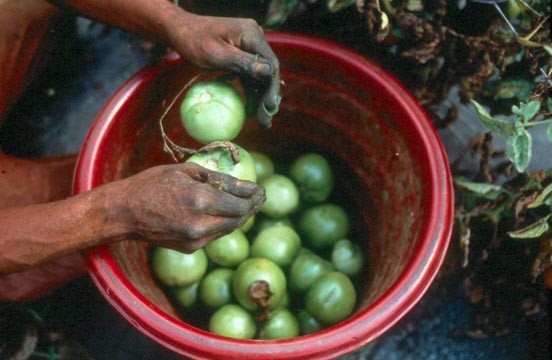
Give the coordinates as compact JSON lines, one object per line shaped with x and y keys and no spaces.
{"x":43,"y":227}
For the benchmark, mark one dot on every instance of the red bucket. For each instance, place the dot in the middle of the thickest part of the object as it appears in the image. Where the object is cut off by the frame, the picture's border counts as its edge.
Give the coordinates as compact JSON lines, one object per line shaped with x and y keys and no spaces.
{"x":394,"y":173}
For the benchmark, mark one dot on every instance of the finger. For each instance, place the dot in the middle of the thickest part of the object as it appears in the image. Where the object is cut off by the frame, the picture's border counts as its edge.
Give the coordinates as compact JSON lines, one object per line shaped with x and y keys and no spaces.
{"x":263,"y":97}
{"x":241,"y":62}
{"x":270,"y":97}
{"x":224,"y":182}
{"x":212,"y":228}
{"x":227,"y":225}
{"x":234,"y":186}
{"x":255,"y":43}
{"x":269,"y":105}
{"x":219,"y":203}
{"x":220,"y":194}
{"x":219,"y":228}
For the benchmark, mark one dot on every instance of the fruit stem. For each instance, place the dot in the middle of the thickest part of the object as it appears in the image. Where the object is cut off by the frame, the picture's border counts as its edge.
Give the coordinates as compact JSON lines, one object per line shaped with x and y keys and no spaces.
{"x":228,"y":145}
{"x":259,"y":293}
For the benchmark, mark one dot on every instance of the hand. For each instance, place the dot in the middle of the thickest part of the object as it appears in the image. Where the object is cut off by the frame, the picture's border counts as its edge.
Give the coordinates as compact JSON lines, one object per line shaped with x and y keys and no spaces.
{"x":235,"y":45}
{"x":185,"y":206}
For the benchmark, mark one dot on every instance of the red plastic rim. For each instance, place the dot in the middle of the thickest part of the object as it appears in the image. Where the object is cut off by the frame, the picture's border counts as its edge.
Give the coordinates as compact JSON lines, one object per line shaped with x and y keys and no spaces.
{"x":342,"y":338}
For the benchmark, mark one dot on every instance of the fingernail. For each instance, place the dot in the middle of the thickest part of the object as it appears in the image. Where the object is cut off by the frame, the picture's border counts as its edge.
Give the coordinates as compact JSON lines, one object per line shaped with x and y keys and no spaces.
{"x":274,"y":109}
{"x":248,"y":185}
{"x":263,"y":69}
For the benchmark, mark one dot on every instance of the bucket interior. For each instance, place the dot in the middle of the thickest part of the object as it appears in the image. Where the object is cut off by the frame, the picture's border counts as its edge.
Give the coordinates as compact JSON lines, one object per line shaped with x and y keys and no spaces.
{"x":326,"y":108}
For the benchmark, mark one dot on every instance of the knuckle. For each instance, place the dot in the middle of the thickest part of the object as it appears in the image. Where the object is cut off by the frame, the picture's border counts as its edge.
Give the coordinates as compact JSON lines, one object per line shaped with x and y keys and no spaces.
{"x":209,"y":46}
{"x":225,"y":179}
{"x":199,"y":203}
{"x":257,"y":69}
{"x":194,"y":232}
{"x":242,"y":208}
{"x":250,"y":25}
{"x":206,"y":53}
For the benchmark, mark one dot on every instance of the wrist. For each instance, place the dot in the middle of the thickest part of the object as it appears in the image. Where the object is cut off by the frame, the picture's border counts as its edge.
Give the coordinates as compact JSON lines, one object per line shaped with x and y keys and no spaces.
{"x":54,"y":229}
{"x":109,"y":214}
{"x":176,"y":22}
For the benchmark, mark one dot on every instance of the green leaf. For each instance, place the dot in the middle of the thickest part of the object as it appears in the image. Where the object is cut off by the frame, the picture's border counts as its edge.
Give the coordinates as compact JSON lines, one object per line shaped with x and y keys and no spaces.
{"x":532,"y":231}
{"x":521,"y":147}
{"x":485,"y":190}
{"x":36,"y":316}
{"x":337,"y":5}
{"x":541,"y":198}
{"x":414,"y":5}
{"x":509,"y":88}
{"x":465,"y":237}
{"x":548,"y":49}
{"x":515,"y":58}
{"x":510,"y":147}
{"x":527,"y":110}
{"x":549,"y":132}
{"x":549,"y":103}
{"x":500,"y":126}
{"x":278,"y":11}
{"x":518,"y":125}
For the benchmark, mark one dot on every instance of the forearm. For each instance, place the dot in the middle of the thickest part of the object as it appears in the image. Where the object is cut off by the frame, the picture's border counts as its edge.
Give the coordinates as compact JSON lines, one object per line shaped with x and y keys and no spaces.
{"x":34,"y":234}
{"x":150,"y":18}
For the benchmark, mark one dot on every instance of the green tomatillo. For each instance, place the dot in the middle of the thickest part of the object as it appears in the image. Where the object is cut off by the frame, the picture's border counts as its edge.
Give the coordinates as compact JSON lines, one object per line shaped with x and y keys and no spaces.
{"x":212,"y":111}
{"x":220,"y":160}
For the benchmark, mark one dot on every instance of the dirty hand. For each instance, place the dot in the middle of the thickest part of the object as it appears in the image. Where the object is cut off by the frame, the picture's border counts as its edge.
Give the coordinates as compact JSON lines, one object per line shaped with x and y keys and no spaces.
{"x":235,"y":45}
{"x":185,"y":206}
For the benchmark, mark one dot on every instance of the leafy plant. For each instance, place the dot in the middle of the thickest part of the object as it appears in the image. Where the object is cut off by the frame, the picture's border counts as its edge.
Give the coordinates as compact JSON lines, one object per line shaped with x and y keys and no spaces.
{"x":518,"y":138}
{"x":495,"y":55}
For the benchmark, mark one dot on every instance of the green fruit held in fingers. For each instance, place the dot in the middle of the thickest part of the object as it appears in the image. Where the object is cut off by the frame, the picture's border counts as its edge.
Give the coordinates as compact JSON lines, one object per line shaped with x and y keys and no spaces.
{"x":220,"y":160}
{"x":212,"y":111}
{"x":248,"y":225}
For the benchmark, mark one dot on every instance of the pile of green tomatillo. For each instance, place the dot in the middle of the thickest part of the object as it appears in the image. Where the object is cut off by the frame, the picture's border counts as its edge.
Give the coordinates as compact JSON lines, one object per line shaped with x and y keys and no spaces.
{"x":289,"y":270}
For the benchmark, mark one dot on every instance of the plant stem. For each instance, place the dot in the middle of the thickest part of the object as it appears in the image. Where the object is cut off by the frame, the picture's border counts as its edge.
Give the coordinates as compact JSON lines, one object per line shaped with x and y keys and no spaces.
{"x":535,"y":123}
{"x":45,"y":355}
